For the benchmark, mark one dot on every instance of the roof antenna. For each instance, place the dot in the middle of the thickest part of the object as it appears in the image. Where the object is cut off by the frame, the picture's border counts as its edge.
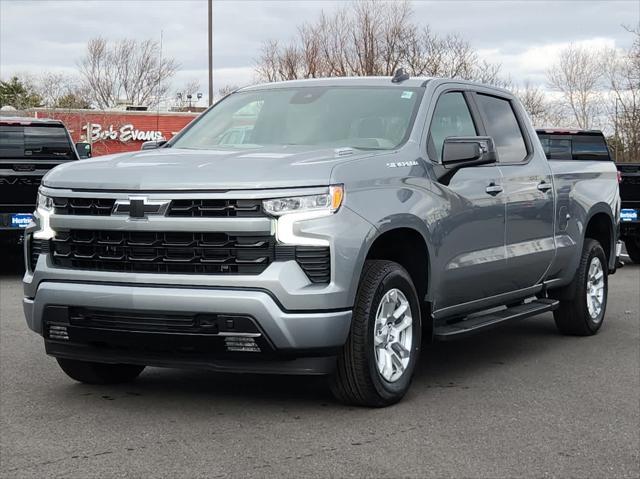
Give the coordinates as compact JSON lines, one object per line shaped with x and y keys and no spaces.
{"x":400,"y":76}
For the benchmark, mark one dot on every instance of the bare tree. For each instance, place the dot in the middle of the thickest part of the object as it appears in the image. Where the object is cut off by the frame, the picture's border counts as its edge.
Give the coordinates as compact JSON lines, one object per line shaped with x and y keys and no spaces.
{"x":227,"y":90}
{"x":128,"y":71}
{"x":578,"y":76}
{"x":371,"y":37}
{"x":534,"y":101}
{"x":542,"y":109}
{"x":623,"y":78}
{"x":60,"y":90}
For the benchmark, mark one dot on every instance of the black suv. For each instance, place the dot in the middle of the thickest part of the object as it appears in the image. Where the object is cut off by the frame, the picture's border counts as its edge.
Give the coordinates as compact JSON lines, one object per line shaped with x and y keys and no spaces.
{"x":29,"y":148}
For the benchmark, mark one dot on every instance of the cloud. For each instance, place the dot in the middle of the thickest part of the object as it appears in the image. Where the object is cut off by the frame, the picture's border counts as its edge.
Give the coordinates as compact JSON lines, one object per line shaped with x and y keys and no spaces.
{"x":531,"y":63}
{"x":523,"y":36}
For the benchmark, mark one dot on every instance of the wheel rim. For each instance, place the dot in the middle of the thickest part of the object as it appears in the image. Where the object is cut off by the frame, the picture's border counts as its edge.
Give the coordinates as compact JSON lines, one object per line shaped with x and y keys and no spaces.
{"x":393,"y":335}
{"x":595,"y":289}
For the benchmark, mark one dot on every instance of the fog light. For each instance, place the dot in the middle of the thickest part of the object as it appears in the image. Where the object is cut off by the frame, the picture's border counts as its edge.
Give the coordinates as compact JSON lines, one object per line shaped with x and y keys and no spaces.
{"x":58,"y":332}
{"x":241,"y":344}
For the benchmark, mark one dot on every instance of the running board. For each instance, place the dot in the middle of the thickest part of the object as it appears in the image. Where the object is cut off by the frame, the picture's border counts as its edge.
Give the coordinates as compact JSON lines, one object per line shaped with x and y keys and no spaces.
{"x":460,"y":329}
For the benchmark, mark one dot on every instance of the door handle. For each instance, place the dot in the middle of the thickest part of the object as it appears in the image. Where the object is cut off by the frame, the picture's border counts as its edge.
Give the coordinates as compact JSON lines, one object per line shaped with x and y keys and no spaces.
{"x":493,"y":189}
{"x":544,"y":186}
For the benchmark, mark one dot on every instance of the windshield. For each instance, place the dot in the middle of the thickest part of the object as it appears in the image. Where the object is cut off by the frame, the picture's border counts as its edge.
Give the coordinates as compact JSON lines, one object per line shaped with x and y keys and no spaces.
{"x":365,"y":118}
{"x":37,"y":142}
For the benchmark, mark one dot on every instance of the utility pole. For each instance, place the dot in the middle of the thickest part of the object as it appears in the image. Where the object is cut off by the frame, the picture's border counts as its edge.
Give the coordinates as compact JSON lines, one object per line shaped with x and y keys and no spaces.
{"x":210,"y":17}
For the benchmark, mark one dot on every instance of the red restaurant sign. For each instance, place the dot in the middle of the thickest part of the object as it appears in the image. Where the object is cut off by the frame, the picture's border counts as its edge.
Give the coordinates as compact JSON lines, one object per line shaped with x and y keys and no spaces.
{"x":118,"y":131}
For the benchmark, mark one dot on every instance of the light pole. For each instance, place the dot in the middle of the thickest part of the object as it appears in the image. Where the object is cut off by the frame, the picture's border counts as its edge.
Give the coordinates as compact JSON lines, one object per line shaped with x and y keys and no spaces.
{"x":189,"y":97}
{"x":210,"y":18}
{"x":615,"y":130}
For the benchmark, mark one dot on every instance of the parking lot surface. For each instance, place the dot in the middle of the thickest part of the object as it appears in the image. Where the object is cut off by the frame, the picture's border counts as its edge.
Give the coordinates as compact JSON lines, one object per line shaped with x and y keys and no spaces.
{"x":521,"y":400}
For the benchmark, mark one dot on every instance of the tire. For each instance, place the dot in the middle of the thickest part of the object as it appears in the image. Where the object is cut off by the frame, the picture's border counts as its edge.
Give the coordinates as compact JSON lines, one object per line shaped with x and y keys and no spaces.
{"x":633,"y":249}
{"x":99,"y":373}
{"x":574,"y":316}
{"x":368,"y":372}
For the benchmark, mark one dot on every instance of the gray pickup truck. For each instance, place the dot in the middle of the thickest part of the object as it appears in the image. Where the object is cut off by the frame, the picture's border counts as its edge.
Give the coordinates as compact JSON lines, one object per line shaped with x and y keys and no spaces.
{"x":352,"y":221}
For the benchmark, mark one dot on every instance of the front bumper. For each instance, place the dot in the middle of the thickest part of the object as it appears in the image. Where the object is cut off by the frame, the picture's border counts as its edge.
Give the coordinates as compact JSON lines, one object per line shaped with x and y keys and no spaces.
{"x":293,"y":337}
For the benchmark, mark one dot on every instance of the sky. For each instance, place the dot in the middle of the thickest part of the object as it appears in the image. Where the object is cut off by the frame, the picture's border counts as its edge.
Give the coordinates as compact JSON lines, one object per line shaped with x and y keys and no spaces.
{"x":524,"y":36}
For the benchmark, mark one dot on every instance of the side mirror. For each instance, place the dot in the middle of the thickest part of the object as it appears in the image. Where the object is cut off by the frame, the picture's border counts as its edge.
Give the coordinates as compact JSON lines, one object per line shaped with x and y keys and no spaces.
{"x":83,"y":149}
{"x":152,"y":145}
{"x":459,"y":152}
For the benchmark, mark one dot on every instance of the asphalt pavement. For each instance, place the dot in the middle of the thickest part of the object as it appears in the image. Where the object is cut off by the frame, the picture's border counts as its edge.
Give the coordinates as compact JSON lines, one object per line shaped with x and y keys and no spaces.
{"x":519,"y":401}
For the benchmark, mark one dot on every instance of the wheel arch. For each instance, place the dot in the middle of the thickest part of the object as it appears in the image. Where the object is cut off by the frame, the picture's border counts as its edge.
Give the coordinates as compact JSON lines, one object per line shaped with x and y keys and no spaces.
{"x":600,"y":225}
{"x":406,"y":244}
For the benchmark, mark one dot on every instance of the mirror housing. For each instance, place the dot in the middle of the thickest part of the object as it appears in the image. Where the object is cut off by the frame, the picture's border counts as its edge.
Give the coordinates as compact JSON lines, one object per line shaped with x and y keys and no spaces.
{"x":153,"y":144}
{"x":463,"y":151}
{"x":83,"y":149}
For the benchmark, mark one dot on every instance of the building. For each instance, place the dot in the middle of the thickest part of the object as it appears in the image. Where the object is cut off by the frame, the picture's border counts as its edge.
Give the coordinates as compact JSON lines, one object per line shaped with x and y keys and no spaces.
{"x":118,"y":130}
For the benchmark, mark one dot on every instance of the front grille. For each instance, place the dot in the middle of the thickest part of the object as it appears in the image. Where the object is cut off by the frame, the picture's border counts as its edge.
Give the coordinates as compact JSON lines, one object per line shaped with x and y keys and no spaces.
{"x":315,"y":261}
{"x":36,"y":248}
{"x":218,"y":208}
{"x":155,"y":252}
{"x":215,"y":208}
{"x":83,"y":206}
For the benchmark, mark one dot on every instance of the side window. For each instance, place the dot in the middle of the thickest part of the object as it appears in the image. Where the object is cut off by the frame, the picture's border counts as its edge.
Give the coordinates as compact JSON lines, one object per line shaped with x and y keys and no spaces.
{"x":450,"y":118}
{"x":503,"y":126}
{"x":556,"y":148}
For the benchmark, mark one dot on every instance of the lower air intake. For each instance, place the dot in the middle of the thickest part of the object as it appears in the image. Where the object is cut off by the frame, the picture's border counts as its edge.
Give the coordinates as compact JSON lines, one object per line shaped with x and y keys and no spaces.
{"x":241,"y":344}
{"x":58,"y":332}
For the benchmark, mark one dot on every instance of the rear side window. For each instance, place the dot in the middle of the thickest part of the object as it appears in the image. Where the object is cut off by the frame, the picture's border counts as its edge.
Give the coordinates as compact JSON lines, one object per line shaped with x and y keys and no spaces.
{"x":574,"y":147}
{"x":450,"y":118}
{"x":589,"y":148}
{"x":503,"y":127}
{"x":556,"y":148}
{"x":37,"y":142}
{"x":11,"y":141}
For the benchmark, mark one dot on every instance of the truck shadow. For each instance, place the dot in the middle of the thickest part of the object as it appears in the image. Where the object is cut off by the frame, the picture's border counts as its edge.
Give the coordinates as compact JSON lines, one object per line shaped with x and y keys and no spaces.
{"x":440,"y":365}
{"x":11,"y":261}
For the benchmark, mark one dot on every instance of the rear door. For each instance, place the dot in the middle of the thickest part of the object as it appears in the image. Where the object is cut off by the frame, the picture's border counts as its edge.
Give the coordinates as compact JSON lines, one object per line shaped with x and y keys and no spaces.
{"x":528,"y":191}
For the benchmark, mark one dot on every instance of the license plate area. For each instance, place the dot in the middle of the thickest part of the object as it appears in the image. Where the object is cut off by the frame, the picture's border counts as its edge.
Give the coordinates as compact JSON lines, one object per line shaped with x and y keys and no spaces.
{"x":629,"y":214}
{"x":20,"y":220}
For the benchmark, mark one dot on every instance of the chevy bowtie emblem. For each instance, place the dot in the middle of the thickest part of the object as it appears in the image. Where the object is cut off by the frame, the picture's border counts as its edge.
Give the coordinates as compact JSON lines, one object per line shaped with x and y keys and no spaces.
{"x":140,"y":207}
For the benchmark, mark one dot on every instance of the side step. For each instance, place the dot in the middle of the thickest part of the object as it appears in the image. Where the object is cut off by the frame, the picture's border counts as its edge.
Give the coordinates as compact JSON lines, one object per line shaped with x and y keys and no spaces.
{"x":460,"y":329}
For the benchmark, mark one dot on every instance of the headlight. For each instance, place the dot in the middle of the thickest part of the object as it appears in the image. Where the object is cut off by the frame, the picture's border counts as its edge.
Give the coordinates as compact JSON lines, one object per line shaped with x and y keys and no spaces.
{"x":45,"y":202}
{"x":329,"y":202}
{"x":43,"y":210}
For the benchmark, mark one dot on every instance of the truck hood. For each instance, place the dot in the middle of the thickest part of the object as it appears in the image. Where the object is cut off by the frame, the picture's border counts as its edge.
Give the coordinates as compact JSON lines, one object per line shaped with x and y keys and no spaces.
{"x":183,"y":169}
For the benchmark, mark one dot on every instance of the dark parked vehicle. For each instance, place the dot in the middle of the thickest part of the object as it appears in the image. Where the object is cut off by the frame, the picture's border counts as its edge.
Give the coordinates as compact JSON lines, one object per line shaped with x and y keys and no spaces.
{"x":630,"y":213}
{"x":29,"y":148}
{"x":565,"y":144}
{"x":351,"y":220}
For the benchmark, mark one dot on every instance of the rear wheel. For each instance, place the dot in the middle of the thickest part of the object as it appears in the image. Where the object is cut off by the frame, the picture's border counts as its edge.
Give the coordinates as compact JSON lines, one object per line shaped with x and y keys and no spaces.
{"x":633,"y":249}
{"x":99,"y":373}
{"x":583,"y":314}
{"x":376,"y":364}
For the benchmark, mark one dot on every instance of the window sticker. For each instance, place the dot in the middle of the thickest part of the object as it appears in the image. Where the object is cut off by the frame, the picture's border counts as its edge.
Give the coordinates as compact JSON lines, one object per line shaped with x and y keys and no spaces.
{"x":406,"y":95}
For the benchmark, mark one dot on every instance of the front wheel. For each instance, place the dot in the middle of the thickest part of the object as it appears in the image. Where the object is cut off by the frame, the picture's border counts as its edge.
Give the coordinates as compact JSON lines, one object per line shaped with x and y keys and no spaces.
{"x":584,"y":313}
{"x":99,"y":373}
{"x":633,"y":249}
{"x":376,"y":364}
